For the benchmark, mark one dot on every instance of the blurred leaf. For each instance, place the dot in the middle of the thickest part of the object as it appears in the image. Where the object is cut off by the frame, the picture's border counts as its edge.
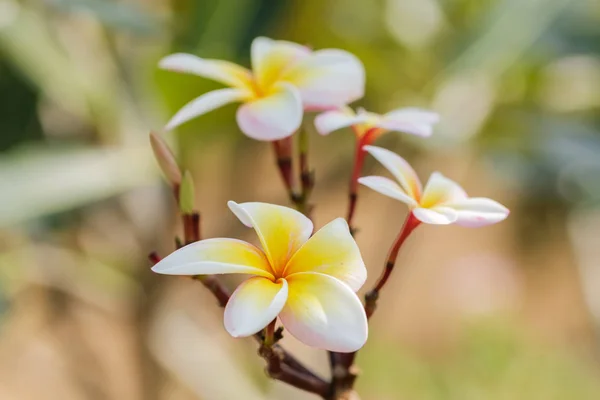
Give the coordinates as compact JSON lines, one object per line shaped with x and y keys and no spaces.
{"x":72,"y":80}
{"x":114,"y":14}
{"x":505,"y":33}
{"x":38,"y":183}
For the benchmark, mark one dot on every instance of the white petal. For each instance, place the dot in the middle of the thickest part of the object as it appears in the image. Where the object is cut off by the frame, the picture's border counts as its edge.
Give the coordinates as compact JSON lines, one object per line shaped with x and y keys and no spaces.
{"x":225,"y":72}
{"x":253,"y":305}
{"x":410,"y":120}
{"x":323,"y":312}
{"x":440,"y":190}
{"x":436,"y":216}
{"x":333,"y":120}
{"x":270,"y":58}
{"x":281,"y":230}
{"x":215,"y":256}
{"x":331,"y":251}
{"x":328,"y":78}
{"x":274,"y":117}
{"x":205,"y":103}
{"x":400,"y":168}
{"x":478,"y":211}
{"x":387,"y":187}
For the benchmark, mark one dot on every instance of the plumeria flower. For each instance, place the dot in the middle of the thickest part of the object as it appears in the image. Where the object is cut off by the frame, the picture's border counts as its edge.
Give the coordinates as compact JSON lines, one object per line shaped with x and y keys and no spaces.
{"x":367,"y":127}
{"x":441,"y":202}
{"x":309,"y":282}
{"x":285,"y":79}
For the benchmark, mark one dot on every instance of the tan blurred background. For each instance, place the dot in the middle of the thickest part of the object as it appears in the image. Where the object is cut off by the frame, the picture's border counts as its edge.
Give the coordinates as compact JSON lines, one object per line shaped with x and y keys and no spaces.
{"x":507,"y":312}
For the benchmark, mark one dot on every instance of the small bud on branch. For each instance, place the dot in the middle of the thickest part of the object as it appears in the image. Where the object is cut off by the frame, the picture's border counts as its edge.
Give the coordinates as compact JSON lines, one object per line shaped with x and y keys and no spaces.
{"x":166,"y":160}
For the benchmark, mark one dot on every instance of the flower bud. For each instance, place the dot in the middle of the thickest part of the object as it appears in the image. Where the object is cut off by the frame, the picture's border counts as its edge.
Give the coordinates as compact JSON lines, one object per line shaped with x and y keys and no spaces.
{"x":165,"y":159}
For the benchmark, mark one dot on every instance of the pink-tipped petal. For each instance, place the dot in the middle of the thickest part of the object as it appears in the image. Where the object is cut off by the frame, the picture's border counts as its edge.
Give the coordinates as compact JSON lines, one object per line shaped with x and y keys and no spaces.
{"x":436,"y":216}
{"x":331,"y":251}
{"x":205,"y":103}
{"x":215,"y":256}
{"x":328,"y":78}
{"x":281,"y":230}
{"x":274,"y":117}
{"x":333,"y":120}
{"x":271,"y":58}
{"x":440,"y":190}
{"x":323,"y":312}
{"x":253,"y":305}
{"x":387,"y":187}
{"x":478,"y":211}
{"x":410,"y":120}
{"x":225,"y":72}
{"x":400,"y":168}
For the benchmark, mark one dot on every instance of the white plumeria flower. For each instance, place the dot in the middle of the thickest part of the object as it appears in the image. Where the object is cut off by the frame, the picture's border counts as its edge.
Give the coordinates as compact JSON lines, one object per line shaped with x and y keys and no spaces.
{"x":441,"y":202}
{"x":286,"y":78}
{"x":368,"y":126}
{"x":309,"y":282}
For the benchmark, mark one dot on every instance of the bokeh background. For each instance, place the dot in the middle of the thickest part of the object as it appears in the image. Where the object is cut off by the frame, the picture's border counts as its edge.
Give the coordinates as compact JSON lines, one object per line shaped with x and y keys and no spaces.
{"x":507,"y":312}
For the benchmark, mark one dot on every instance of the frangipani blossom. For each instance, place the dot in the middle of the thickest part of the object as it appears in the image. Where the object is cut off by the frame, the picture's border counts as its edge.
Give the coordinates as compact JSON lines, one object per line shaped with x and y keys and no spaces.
{"x":309,"y":282}
{"x":285,"y":79}
{"x":369,"y":126}
{"x":441,"y":202}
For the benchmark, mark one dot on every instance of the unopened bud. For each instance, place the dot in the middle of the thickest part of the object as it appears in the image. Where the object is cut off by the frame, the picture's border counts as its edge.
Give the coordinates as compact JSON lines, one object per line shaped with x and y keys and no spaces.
{"x":186,"y":194}
{"x":165,"y":159}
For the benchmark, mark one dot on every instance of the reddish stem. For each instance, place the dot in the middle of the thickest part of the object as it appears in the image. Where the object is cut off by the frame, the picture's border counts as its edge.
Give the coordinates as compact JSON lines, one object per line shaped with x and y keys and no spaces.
{"x":371,"y":298}
{"x":359,"y":160}
{"x":191,"y":227}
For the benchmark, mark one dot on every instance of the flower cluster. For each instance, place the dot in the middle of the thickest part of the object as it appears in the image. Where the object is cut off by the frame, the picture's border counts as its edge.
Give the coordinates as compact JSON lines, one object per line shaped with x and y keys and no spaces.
{"x":307,"y":281}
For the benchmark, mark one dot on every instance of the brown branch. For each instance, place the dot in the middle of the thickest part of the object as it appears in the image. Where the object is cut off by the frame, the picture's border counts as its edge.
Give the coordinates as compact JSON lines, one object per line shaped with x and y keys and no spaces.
{"x":276,"y":368}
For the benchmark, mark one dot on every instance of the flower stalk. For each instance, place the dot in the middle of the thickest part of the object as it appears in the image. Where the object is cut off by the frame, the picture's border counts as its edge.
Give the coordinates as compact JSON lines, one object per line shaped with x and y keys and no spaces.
{"x":359,"y":160}
{"x":284,"y":151}
{"x":372,"y":296}
{"x":283,"y":154}
{"x":307,"y":177}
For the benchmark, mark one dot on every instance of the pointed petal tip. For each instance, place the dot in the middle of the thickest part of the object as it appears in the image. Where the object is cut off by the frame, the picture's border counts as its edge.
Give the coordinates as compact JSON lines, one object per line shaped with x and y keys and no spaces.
{"x":238,"y":210}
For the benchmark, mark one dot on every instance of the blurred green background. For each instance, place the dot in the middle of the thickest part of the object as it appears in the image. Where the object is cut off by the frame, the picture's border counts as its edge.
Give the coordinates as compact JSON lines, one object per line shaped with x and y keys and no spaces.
{"x":507,"y":312}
